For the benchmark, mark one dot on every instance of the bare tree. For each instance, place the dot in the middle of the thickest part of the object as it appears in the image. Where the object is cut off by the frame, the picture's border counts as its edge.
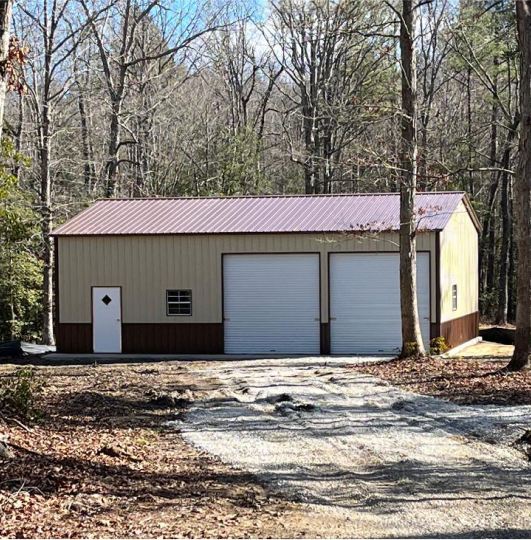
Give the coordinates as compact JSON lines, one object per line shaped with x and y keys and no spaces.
{"x":43,"y":20}
{"x":412,"y":344}
{"x":51,"y":28}
{"x":248,"y":76}
{"x":434,"y":48}
{"x":82,"y":82}
{"x":484,"y":54}
{"x":520,"y":359}
{"x":244,"y":77}
{"x":503,"y":282}
{"x":119,"y":57}
{"x":6,"y":12}
{"x":330,"y":61}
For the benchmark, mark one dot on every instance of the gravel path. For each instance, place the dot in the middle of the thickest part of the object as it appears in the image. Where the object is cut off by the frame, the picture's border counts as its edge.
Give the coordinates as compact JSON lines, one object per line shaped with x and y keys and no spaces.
{"x":371,"y":460}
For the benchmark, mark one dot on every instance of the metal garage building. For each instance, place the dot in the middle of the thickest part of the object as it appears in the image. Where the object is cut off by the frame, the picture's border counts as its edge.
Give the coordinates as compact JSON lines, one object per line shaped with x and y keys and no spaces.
{"x":279,"y":274}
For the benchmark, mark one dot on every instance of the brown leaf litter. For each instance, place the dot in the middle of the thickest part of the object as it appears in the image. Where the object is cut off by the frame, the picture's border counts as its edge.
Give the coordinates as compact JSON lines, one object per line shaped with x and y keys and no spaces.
{"x":101,"y":463}
{"x":462,"y":381}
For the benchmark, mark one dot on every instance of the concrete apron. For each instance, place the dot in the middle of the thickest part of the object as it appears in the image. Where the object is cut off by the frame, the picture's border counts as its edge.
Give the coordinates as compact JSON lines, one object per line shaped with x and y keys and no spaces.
{"x":108,"y":358}
{"x":101,"y":358}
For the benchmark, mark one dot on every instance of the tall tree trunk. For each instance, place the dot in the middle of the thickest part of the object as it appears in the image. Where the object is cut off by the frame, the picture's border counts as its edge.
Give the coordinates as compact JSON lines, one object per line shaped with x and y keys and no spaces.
{"x":46,"y":184}
{"x":18,"y":135}
{"x":412,"y":344}
{"x":6,"y":12}
{"x":501,"y":315}
{"x":46,"y":224}
{"x":520,"y":359}
{"x":491,"y":251}
{"x":487,"y":239}
{"x":88,"y":165}
{"x":12,"y":313}
{"x":469,"y":130}
{"x":309,"y":146}
{"x":423,"y":158}
{"x":503,"y":282}
{"x":111,"y":168}
{"x":511,"y":300}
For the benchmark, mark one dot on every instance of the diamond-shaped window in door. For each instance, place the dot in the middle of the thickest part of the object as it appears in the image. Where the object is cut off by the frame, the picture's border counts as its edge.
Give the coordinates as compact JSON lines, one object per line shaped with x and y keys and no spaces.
{"x":106,"y":300}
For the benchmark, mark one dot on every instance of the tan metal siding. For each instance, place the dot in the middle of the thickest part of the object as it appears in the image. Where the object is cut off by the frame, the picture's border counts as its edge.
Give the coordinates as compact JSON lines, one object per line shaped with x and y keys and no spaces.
{"x":459,"y":265}
{"x":145,"y":266}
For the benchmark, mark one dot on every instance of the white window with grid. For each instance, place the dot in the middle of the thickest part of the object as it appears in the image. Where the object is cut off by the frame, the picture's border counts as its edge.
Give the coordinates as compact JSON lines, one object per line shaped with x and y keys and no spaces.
{"x":178,"y":302}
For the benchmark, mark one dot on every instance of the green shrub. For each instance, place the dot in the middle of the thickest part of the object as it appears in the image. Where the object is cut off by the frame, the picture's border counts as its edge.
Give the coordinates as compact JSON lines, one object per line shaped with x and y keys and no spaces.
{"x":438,"y":345}
{"x":19,"y":393}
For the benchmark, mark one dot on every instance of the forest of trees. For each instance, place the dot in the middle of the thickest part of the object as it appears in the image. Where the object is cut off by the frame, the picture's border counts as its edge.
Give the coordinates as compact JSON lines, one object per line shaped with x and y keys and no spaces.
{"x":133,"y":98}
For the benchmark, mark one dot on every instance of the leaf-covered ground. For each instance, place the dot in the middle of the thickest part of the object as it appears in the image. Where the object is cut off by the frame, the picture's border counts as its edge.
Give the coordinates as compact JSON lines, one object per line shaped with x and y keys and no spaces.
{"x":463,"y":381}
{"x":101,"y":463}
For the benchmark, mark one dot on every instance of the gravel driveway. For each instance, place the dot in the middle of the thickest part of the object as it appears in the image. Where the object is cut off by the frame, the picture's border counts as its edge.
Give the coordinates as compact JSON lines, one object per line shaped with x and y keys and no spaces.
{"x":369,"y":459}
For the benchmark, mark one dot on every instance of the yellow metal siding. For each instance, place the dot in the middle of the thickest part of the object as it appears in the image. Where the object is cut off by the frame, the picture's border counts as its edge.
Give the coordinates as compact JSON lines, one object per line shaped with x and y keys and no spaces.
{"x":459,"y":265}
{"x":145,"y":266}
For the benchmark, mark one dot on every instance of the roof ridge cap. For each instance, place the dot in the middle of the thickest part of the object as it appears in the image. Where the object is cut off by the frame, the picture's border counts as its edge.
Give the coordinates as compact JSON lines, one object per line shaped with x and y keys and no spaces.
{"x":275,"y":196}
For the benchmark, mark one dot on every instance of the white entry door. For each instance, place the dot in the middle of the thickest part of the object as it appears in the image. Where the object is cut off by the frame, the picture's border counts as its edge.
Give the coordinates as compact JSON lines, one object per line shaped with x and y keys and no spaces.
{"x":365,"y":302}
{"x":271,"y":303}
{"x":107,"y":319}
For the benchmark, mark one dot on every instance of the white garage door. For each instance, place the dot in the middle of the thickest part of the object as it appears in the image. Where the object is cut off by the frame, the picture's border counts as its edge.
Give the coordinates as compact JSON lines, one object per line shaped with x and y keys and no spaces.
{"x":365,"y":302}
{"x":271,"y":303}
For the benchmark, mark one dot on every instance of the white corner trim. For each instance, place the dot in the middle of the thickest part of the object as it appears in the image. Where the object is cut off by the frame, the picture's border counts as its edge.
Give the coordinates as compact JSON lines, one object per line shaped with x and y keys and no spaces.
{"x":459,"y":348}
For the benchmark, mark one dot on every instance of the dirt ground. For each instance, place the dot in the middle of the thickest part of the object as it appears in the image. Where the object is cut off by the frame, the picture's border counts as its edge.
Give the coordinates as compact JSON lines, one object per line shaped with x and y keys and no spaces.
{"x":101,"y":463}
{"x":487,"y":350}
{"x":272,"y":448}
{"x":467,"y":380}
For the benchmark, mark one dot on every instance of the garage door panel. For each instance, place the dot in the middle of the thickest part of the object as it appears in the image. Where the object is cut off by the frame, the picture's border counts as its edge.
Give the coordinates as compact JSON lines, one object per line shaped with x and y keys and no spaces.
{"x":271,"y":303}
{"x":365,"y":302}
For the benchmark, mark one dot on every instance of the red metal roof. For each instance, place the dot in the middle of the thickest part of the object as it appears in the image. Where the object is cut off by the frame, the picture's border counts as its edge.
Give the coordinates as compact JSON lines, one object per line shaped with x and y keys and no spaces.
{"x":266,"y":214}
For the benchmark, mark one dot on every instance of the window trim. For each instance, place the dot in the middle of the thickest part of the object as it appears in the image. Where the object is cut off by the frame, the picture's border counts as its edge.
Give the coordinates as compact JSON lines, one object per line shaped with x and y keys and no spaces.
{"x":454,"y":297}
{"x":168,"y":314}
